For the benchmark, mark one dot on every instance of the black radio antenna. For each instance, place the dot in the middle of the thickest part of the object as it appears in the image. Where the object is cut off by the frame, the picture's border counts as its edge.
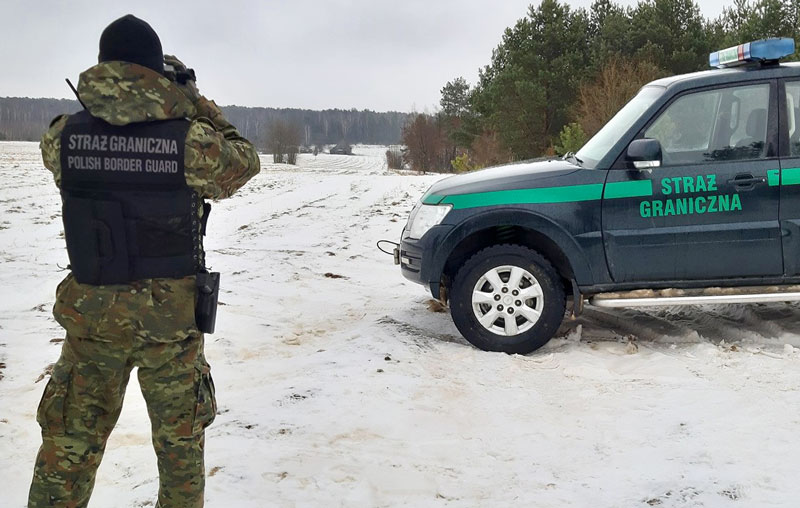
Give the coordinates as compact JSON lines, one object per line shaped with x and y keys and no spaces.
{"x":75,"y":92}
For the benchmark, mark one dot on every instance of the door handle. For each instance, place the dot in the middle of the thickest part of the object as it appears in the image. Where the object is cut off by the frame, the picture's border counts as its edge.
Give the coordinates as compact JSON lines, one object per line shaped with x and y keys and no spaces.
{"x":747,"y":180}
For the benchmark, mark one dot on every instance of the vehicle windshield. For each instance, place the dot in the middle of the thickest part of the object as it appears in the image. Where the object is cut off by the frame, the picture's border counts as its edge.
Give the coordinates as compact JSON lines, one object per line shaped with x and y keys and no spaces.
{"x":597,"y":147}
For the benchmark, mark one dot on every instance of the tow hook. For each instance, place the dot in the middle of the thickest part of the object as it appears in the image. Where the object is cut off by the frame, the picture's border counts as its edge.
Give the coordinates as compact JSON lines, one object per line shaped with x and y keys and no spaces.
{"x":395,"y":252}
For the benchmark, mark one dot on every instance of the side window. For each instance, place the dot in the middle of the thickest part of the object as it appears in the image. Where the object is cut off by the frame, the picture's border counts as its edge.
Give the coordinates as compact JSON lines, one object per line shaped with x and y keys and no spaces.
{"x":793,"y":116}
{"x":714,"y":125}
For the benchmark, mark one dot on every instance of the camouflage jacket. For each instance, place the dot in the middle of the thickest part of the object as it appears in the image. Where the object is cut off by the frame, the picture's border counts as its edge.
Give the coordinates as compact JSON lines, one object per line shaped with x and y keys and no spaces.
{"x":218,"y":161}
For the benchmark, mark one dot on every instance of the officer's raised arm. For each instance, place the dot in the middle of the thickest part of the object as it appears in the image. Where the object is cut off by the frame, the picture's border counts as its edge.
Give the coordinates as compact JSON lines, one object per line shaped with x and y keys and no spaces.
{"x":217,"y":165}
{"x":218,"y":159}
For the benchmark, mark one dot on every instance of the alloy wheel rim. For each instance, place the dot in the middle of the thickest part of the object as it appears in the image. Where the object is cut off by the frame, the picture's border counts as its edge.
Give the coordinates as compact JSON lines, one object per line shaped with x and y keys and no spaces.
{"x":507,"y":300}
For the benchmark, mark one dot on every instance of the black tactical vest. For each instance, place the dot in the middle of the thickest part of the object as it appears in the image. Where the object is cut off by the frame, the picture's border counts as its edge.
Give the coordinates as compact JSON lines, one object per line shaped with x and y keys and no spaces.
{"x":128,"y":212}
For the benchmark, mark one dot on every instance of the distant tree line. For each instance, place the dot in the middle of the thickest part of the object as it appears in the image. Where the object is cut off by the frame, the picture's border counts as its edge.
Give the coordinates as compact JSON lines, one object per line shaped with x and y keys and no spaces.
{"x":318,"y":128}
{"x":560,"y":73}
{"x":25,"y":119}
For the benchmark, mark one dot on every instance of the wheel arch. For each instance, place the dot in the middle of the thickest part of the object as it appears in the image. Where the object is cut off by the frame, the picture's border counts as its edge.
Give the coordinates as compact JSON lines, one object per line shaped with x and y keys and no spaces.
{"x":513,"y":227}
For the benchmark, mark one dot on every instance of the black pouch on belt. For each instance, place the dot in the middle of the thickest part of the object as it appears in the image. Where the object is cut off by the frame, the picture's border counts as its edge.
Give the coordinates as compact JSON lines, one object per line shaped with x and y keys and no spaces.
{"x":205,"y":311}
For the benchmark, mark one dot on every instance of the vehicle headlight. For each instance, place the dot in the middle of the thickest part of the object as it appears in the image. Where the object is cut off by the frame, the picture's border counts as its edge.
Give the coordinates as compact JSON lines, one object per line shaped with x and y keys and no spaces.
{"x":424,"y":218}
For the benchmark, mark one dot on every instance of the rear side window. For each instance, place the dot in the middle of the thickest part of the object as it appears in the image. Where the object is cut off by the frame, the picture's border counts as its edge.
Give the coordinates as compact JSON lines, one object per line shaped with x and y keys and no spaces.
{"x":793,"y":116}
{"x":714,"y":125}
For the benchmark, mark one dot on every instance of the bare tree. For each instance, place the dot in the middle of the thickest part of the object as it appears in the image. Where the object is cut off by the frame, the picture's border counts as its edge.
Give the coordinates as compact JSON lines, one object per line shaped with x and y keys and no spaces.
{"x":291,"y":155}
{"x":282,"y":140}
{"x":426,"y":146}
{"x":394,"y":159}
{"x":616,"y":83}
{"x":488,"y":150}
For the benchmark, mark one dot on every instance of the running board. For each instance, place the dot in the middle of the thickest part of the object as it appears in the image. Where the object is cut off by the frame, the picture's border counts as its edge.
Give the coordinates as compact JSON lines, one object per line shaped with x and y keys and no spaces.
{"x":707,"y":296}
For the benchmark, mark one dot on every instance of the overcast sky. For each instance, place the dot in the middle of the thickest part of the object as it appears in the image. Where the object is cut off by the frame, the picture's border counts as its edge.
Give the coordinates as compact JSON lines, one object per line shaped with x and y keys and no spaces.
{"x":316,"y":54}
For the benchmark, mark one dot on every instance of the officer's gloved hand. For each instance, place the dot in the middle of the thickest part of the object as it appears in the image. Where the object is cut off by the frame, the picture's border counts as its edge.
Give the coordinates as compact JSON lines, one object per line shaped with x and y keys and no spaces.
{"x":205,"y":108}
{"x":184,"y":78}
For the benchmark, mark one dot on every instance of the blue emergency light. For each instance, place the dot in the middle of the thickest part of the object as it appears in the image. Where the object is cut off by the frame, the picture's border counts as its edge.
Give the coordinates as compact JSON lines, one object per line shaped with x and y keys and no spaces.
{"x":764,"y":50}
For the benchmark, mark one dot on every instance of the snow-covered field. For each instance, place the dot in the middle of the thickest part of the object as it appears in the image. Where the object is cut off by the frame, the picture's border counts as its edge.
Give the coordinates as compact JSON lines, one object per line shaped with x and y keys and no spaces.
{"x":337,"y":386}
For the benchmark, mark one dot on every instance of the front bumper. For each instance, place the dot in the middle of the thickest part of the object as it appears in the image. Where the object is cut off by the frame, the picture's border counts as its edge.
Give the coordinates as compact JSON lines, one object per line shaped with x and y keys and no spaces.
{"x":420,"y":260}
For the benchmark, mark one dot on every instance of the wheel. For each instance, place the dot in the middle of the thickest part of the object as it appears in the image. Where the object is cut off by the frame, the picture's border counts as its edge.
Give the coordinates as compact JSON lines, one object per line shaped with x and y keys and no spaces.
{"x":507,"y":298}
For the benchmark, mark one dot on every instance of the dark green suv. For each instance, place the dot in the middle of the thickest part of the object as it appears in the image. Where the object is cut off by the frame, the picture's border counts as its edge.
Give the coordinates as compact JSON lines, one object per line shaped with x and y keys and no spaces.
{"x":690,"y":194}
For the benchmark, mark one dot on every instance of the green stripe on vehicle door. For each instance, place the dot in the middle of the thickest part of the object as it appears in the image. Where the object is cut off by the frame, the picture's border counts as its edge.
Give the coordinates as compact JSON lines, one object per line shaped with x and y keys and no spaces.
{"x":774,"y":177}
{"x":632,"y":189}
{"x":790,"y":176}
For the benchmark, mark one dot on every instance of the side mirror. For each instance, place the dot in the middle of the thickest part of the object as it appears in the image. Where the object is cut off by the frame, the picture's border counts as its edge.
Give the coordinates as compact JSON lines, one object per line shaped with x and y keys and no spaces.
{"x":644,"y":153}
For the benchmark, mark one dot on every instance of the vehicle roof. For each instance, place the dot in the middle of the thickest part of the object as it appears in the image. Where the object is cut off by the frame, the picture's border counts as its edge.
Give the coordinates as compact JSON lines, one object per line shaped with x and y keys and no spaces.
{"x":709,"y":77}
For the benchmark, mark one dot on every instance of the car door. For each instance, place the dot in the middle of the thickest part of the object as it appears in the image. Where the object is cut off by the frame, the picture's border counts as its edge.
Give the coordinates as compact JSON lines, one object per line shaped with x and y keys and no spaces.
{"x":708,"y":212}
{"x":789,"y":180}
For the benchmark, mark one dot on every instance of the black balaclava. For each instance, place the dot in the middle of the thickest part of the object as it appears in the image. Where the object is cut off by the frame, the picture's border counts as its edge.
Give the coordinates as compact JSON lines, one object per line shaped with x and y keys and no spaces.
{"x":131,"y":39}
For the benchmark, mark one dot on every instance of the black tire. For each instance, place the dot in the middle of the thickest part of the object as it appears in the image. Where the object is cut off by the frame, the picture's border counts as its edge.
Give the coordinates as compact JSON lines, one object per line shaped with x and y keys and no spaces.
{"x":493,"y":259}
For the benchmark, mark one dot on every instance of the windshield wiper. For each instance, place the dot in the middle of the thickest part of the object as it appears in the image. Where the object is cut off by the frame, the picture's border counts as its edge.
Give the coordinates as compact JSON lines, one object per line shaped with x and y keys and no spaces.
{"x":570,"y":156}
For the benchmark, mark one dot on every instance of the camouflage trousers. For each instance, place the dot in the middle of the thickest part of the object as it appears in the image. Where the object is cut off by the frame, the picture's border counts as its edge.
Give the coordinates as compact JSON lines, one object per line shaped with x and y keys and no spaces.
{"x":83,"y":399}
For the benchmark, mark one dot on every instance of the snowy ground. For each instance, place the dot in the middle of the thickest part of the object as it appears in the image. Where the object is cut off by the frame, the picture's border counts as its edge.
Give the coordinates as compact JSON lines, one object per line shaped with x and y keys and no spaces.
{"x":337,"y":386}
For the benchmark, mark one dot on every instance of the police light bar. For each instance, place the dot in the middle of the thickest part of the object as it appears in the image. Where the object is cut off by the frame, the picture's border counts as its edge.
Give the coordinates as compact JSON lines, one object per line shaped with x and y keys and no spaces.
{"x":764,"y":50}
